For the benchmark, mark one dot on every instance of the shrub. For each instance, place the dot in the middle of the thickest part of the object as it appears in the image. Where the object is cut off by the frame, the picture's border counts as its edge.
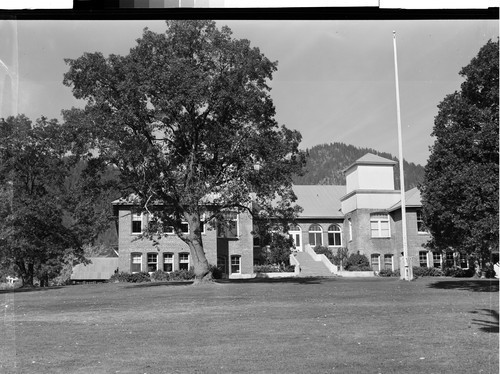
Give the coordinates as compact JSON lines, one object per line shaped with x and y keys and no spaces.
{"x":180,"y":275}
{"x":358,"y":261}
{"x":426,"y":272}
{"x":388,"y":273}
{"x":273,"y":268}
{"x":119,"y":277}
{"x":131,"y":278}
{"x":216,"y":272}
{"x":321,"y":250}
{"x":359,"y":268}
{"x":139,"y":277}
{"x":459,"y":273}
{"x":160,"y":276}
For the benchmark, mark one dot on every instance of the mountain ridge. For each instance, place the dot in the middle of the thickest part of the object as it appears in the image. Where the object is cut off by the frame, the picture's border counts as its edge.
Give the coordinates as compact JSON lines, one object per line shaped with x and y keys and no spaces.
{"x":326,"y":162}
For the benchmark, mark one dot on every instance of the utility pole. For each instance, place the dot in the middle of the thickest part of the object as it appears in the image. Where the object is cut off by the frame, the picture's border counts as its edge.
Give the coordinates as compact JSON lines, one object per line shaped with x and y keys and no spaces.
{"x":408,"y":274}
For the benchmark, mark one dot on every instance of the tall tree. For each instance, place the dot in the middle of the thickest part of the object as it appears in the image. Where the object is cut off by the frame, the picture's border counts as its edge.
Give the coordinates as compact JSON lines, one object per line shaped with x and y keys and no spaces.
{"x":460,"y":190}
{"x":186,"y":117}
{"x":33,"y":167}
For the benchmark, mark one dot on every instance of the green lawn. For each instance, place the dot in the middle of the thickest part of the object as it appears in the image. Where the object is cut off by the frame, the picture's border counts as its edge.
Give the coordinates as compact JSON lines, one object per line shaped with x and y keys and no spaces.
{"x":381,"y":325}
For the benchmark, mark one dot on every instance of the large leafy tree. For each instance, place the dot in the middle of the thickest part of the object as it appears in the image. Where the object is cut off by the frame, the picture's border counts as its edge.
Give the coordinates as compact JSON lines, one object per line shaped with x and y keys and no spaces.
{"x":460,"y":190}
{"x":34,"y":239}
{"x":185,"y":117}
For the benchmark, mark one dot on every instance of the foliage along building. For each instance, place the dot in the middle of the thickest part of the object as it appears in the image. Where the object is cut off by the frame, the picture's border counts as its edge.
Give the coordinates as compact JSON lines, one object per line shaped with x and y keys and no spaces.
{"x":364,"y":215}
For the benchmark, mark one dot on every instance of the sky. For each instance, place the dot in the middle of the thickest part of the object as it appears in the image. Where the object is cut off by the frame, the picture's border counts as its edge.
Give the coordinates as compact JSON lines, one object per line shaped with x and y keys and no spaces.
{"x":335,"y":80}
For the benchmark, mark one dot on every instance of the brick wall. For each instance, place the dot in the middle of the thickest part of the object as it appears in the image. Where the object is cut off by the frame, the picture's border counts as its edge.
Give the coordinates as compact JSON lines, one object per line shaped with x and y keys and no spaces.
{"x":128,"y":243}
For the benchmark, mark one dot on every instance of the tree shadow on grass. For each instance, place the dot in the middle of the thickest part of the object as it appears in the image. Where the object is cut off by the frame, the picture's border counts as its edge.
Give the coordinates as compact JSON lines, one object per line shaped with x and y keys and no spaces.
{"x":29,"y":289}
{"x":486,"y":325}
{"x":474,"y":285}
{"x":297,"y":280}
{"x":157,"y":284}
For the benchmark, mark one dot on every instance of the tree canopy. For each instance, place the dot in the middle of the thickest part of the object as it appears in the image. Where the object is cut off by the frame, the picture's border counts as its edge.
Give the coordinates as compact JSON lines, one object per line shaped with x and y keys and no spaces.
{"x":460,"y":190}
{"x":187,"y":120}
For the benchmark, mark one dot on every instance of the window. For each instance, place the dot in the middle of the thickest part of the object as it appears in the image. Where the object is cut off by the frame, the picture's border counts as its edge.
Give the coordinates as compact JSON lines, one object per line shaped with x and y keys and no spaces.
{"x":334,"y":235}
{"x":135,"y":262}
{"x":379,"y":226}
{"x":315,"y":235}
{"x":221,"y":264}
{"x":183,"y":261}
{"x":295,"y":232}
{"x":235,"y":264}
{"x":375,"y":261}
{"x":228,"y":227}
{"x":422,"y":257}
{"x":450,"y":261}
{"x":152,"y":262}
{"x":349,"y":222}
{"x":388,"y":262}
{"x":462,"y":259}
{"x":420,"y":223}
{"x":137,"y":223}
{"x":185,"y":227}
{"x":436,"y":259}
{"x":168,"y":262}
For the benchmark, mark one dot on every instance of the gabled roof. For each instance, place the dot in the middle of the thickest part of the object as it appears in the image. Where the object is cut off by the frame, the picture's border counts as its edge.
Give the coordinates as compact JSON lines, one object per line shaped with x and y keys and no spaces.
{"x":412,"y":198}
{"x":371,"y":159}
{"x":319,"y":201}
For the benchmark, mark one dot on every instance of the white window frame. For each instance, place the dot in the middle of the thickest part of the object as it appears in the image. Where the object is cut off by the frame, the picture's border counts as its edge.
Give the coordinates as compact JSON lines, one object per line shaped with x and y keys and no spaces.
{"x":237,"y":262}
{"x":182,"y":261}
{"x":168,"y":258}
{"x":315,"y":232}
{"x":151,"y":262}
{"x":388,"y":255}
{"x":292,"y":232}
{"x":421,"y":221}
{"x":378,"y":219}
{"x":434,"y":254}
{"x":137,"y":217}
{"x":339,"y":232}
{"x":377,"y":256}
{"x":420,"y":255}
{"x":133,"y":260}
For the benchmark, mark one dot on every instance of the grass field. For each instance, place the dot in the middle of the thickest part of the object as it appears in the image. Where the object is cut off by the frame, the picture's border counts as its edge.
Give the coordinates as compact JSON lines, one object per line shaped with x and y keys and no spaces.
{"x":431,"y":325}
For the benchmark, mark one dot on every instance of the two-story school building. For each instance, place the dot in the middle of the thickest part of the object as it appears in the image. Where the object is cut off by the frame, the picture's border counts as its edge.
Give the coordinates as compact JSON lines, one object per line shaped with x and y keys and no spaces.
{"x":364,"y":215}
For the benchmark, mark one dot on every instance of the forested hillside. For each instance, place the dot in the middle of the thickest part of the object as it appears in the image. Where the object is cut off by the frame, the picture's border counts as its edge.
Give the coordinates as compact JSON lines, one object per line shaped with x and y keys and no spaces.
{"x":325,"y":163}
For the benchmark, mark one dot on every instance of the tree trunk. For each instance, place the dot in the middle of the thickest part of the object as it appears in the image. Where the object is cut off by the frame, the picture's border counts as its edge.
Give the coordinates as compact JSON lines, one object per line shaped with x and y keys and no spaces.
{"x":198,"y":258}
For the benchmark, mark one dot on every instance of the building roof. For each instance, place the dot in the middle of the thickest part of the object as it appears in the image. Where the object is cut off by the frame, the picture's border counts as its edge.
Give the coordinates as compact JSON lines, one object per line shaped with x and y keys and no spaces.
{"x":319,"y":201}
{"x":100,"y":268}
{"x":371,"y":159}
{"x":412,"y":198}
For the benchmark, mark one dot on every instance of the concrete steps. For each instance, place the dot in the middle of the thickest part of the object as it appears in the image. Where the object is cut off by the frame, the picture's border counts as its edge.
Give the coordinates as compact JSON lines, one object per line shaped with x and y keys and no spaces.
{"x":311,"y":268}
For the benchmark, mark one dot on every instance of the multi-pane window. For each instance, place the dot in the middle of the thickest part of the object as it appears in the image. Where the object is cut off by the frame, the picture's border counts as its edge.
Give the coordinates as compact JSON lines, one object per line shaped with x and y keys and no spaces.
{"x":375,"y":261}
{"x":152,"y":262}
{"x":420,"y":223}
{"x":235,"y":264}
{"x":135,"y":262}
{"x":436,"y":259}
{"x":183,"y":261}
{"x":462,"y":259}
{"x":450,"y":261}
{"x":168,"y":262}
{"x":137,"y":223}
{"x":379,"y":226}
{"x":388,"y":262}
{"x":422,"y":258}
{"x":315,"y":235}
{"x":295,"y":233}
{"x":228,"y":226}
{"x":334,"y":235}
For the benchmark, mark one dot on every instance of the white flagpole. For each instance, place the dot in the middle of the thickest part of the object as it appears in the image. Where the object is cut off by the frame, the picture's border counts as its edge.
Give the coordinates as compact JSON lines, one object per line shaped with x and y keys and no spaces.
{"x":407,"y":274}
